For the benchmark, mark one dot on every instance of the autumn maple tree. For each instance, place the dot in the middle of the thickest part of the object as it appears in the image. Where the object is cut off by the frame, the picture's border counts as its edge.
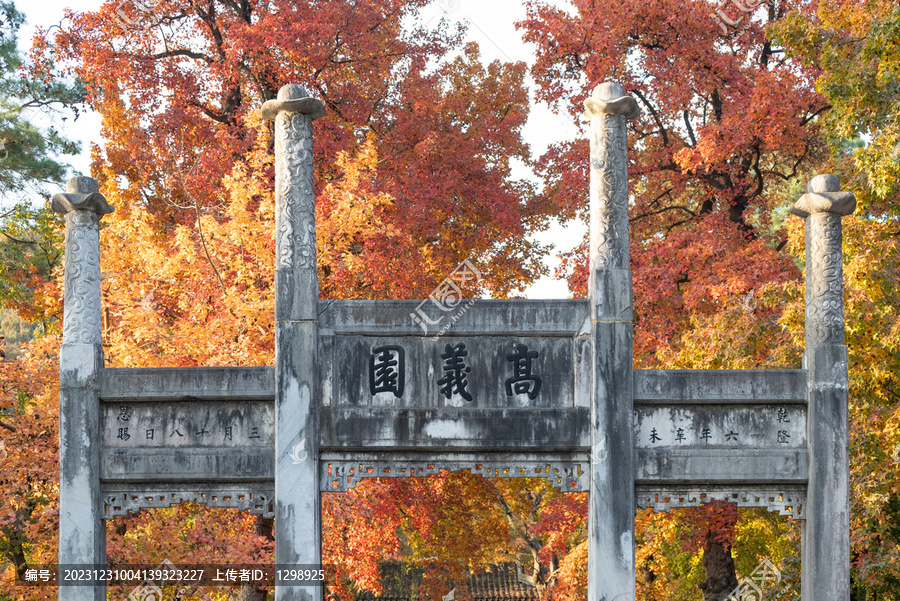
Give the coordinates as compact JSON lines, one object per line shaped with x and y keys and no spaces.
{"x":413,"y":176}
{"x":728,"y":127}
{"x":738,"y":113}
{"x":412,"y":172}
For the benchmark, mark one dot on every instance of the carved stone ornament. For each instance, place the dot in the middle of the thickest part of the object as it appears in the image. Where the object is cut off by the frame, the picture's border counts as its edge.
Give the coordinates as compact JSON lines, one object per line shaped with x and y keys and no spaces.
{"x":787,"y":502}
{"x":822,"y":207}
{"x":295,"y":202}
{"x":259,"y":501}
{"x":83,"y":205}
{"x":823,"y":194}
{"x":82,"y":194}
{"x":610,"y":99}
{"x":608,"y":108}
{"x":343,"y":475}
{"x":293,"y":99}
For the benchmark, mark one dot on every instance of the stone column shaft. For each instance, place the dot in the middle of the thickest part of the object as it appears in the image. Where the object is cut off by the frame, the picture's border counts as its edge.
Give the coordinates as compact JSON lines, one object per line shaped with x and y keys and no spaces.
{"x":82,"y":534}
{"x":298,"y":539}
{"x":825,"y":561}
{"x":611,"y":501}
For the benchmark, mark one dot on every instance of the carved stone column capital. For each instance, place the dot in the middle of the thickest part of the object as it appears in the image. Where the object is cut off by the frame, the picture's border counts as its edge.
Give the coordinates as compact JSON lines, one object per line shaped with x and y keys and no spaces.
{"x":296,"y":281}
{"x":83,"y":205}
{"x":609,"y":98}
{"x":823,"y":195}
{"x":822,"y":207}
{"x":293,"y":99}
{"x":82,"y":194}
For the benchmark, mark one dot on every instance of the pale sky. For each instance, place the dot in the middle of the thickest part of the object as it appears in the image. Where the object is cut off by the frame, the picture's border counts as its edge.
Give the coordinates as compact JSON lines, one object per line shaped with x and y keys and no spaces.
{"x":490,"y":23}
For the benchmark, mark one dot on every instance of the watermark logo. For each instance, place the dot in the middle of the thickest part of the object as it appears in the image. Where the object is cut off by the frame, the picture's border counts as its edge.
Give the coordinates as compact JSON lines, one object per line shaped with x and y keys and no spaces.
{"x":448,"y":6}
{"x":450,"y":9}
{"x":121,"y":17}
{"x":748,"y":303}
{"x":298,"y":453}
{"x":744,"y":6}
{"x":148,"y":590}
{"x":600,"y":451}
{"x":446,"y":298}
{"x":759,"y":585}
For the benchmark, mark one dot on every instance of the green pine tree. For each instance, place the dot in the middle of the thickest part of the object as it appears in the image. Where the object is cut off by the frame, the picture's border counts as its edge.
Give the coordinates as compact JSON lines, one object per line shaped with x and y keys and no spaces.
{"x":30,"y":165}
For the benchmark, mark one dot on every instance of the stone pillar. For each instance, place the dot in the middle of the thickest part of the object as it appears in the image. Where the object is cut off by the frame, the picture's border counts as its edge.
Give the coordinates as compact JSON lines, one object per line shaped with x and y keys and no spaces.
{"x":611,"y":503}
{"x":298,"y":540}
{"x":82,"y":535}
{"x":825,"y":562}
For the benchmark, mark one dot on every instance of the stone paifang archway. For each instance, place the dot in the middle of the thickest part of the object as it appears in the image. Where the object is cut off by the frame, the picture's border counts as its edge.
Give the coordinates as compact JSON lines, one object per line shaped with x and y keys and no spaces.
{"x":504,"y":388}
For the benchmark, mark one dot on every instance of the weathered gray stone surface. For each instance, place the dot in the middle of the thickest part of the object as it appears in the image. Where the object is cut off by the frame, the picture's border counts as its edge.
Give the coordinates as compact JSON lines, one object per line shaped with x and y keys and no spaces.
{"x":191,"y":464}
{"x":822,"y":207}
{"x":720,"y":426}
{"x":742,"y":468}
{"x":608,"y":108}
{"x":123,"y":499}
{"x":611,"y":500}
{"x":187,"y":441}
{"x":826,"y":542}
{"x":482,"y":317}
{"x":443,"y":430}
{"x":566,"y":471}
{"x":489,"y":379}
{"x":297,"y":508}
{"x":203,"y":424}
{"x":826,"y":533}
{"x":786,"y":499}
{"x":187,"y":383}
{"x":82,"y":536}
{"x":668,"y":386}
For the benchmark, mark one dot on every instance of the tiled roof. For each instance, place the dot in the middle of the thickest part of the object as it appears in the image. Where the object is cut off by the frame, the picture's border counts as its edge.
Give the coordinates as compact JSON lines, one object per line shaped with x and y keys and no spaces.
{"x":501,"y":583}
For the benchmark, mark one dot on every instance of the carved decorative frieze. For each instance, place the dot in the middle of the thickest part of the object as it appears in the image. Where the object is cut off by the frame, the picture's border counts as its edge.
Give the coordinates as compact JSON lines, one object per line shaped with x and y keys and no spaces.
{"x":257,"y":501}
{"x":343,"y":475}
{"x":788,"y":502}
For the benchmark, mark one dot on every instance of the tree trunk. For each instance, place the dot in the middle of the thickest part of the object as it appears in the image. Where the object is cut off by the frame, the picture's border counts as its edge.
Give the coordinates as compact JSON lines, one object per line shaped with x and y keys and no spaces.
{"x":720,"y":575}
{"x":250,"y":592}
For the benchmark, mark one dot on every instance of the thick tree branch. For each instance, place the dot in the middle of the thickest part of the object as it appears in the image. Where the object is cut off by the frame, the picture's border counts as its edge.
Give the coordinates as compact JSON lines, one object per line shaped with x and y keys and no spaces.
{"x":663,"y":210}
{"x":654,"y":114}
{"x":690,"y":130}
